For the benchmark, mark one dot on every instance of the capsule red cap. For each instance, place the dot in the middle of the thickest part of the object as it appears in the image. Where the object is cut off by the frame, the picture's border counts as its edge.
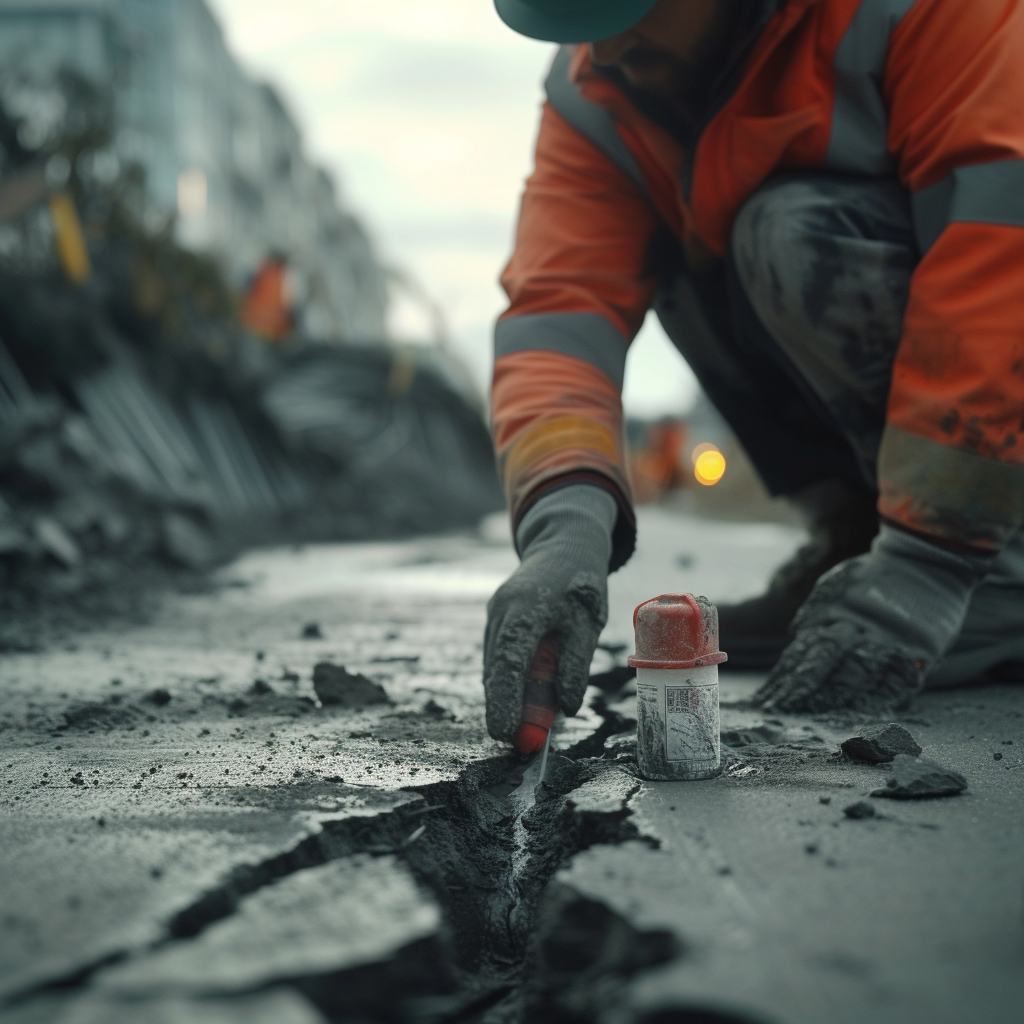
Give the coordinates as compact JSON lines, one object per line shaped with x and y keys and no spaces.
{"x":530,"y":738}
{"x":676,"y":631}
{"x":540,"y":698}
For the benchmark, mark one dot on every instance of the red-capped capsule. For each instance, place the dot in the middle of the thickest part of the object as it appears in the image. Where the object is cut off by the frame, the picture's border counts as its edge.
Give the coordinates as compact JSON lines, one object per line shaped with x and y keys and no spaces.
{"x":676,"y":662}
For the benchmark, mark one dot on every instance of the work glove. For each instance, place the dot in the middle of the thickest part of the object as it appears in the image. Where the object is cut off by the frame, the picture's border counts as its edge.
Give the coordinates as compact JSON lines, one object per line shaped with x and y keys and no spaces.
{"x":874,"y":626}
{"x":560,"y":588}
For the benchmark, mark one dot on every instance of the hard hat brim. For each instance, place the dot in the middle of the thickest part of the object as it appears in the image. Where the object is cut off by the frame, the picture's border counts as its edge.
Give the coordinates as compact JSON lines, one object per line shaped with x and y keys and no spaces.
{"x":572,"y":21}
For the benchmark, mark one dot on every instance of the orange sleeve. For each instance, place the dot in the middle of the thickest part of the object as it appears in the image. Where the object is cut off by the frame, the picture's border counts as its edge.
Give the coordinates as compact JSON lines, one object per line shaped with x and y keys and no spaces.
{"x":583,"y":236}
{"x":952,"y":459}
{"x":579,"y":286}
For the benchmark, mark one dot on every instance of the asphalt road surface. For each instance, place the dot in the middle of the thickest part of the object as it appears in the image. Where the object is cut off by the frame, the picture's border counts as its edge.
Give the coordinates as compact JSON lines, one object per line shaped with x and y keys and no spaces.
{"x":191,"y":834}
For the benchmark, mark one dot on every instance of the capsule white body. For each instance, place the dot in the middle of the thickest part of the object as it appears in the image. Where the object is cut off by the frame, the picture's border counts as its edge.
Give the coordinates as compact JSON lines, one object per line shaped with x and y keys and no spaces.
{"x":678,"y":726}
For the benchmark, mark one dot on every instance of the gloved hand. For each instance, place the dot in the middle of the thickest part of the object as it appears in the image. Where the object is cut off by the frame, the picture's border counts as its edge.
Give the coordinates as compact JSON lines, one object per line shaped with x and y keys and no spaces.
{"x":873,"y":627}
{"x":561,"y":587}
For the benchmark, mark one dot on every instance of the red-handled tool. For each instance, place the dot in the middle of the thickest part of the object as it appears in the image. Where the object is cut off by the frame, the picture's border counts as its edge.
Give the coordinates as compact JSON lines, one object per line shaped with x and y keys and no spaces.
{"x":540,"y":699}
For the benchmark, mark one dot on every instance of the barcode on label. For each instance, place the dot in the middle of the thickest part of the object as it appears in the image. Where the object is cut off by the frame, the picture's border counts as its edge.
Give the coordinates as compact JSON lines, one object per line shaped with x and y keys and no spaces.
{"x":682,"y":700}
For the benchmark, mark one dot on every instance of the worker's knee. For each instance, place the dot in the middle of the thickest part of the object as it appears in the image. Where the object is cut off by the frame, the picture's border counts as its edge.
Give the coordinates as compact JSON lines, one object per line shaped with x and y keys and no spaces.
{"x":786,"y":248}
{"x":826,"y":259}
{"x":770,"y":239}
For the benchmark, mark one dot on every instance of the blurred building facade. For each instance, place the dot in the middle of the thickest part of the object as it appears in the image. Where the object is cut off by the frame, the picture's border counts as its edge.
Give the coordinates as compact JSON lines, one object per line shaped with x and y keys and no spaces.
{"x":220,"y":152}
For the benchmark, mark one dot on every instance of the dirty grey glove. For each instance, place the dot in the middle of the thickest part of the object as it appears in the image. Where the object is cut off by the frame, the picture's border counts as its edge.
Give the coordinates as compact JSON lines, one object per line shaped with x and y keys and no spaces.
{"x":873,"y":627}
{"x":561,"y":587}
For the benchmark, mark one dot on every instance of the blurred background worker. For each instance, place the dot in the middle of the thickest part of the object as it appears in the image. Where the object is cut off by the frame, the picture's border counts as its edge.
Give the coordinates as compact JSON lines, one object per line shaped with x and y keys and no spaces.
{"x":269,"y":303}
{"x":824,"y":203}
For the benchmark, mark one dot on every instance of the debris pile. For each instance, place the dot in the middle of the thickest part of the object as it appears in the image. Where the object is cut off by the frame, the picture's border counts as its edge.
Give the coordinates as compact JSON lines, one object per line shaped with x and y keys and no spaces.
{"x":142,"y":427}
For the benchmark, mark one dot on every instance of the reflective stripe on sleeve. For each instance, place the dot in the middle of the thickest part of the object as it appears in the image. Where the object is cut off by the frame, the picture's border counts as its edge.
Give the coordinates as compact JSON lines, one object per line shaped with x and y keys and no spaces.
{"x":948,"y":492}
{"x":555,"y":436}
{"x":586,"y":336}
{"x":860,"y":121}
{"x":980,"y":194}
{"x":593,"y":122}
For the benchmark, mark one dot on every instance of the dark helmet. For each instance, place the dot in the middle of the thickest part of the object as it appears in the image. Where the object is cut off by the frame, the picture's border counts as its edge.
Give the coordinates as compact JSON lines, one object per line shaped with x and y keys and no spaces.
{"x":572,"y":21}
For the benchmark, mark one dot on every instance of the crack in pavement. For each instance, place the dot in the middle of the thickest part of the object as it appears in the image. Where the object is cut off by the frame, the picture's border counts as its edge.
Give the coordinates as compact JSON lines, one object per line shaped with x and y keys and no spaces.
{"x":511,"y":946}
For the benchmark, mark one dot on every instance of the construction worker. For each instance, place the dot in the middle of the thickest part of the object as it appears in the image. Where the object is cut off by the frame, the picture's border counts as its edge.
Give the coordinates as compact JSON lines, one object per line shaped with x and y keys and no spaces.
{"x":268,"y":308}
{"x":823,"y":200}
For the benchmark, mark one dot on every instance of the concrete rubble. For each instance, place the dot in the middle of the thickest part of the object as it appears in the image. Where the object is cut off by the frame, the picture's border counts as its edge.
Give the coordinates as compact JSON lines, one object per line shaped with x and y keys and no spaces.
{"x":860,"y":811}
{"x":336,"y":687}
{"x":919,"y":778}
{"x":879,"y":744}
{"x":148,"y":431}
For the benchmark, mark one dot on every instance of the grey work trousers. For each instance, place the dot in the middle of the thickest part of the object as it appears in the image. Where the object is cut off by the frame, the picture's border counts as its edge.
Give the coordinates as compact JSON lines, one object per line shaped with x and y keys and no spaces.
{"x":794,"y":338}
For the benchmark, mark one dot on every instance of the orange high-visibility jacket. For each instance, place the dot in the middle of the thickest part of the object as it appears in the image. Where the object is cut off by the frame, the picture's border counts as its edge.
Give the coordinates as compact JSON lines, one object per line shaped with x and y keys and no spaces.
{"x":266,"y":310}
{"x":928,"y":91}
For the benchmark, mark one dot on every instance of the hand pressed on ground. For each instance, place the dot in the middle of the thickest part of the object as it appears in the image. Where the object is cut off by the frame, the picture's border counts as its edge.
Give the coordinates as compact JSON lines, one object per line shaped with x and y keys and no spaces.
{"x":874,"y":626}
{"x":561,"y":589}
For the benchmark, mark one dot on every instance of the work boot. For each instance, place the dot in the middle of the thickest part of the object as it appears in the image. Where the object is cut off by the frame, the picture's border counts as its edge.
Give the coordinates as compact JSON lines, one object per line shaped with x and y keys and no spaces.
{"x":991,"y":644}
{"x":842,"y":521}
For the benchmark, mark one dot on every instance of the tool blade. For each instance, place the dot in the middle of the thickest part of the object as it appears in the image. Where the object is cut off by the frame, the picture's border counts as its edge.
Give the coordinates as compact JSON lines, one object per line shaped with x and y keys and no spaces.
{"x":544,"y":760}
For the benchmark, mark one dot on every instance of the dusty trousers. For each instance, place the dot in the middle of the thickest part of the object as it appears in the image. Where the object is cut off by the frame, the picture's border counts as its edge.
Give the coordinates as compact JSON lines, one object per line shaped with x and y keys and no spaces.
{"x":793,"y":338}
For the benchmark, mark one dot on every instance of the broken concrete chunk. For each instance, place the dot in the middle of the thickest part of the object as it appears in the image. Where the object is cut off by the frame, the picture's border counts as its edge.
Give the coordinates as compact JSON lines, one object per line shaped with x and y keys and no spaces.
{"x":917,"y":778}
{"x":878,"y":744}
{"x":12,"y":540}
{"x":100,"y":715}
{"x":337,"y":687}
{"x":860,"y":810}
{"x":56,"y":542}
{"x":754,"y":735}
{"x":622,"y":744}
{"x":608,"y":793}
{"x":581,"y":939}
{"x":187,"y":543}
{"x":437,"y":711}
{"x":358,"y":910}
{"x":80,"y":438}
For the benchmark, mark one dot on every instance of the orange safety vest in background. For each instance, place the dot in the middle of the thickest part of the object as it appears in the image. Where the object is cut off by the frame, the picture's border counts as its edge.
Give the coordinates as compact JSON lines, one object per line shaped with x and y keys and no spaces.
{"x":267,"y":307}
{"x":930,"y":92}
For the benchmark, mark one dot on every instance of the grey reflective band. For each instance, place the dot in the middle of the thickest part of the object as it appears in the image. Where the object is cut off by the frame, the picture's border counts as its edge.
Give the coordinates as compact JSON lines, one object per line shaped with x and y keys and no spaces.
{"x":590,"y":120}
{"x":586,"y":336}
{"x":860,"y":120}
{"x":952,"y":493}
{"x":978,"y":194}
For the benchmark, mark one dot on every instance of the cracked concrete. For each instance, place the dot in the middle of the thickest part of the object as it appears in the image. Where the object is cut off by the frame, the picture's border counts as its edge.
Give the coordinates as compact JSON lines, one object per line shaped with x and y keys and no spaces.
{"x":190,"y":835}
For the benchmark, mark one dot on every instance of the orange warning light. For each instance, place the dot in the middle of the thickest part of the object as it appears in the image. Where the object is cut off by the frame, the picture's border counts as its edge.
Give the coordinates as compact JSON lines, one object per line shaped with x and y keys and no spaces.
{"x":701,"y":449}
{"x":709,"y":466}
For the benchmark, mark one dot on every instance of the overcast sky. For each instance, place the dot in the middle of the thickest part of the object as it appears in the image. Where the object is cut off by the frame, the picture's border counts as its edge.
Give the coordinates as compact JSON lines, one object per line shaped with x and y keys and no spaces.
{"x":426,"y":114}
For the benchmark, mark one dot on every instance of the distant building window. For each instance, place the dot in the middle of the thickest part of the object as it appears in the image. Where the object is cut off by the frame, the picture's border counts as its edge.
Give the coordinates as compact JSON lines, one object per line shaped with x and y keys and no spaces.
{"x":192,"y":193}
